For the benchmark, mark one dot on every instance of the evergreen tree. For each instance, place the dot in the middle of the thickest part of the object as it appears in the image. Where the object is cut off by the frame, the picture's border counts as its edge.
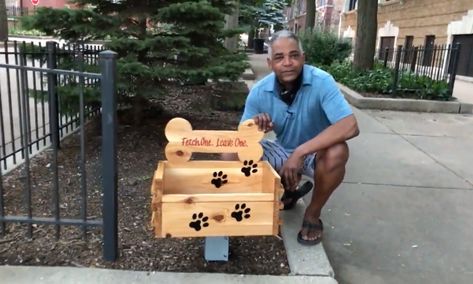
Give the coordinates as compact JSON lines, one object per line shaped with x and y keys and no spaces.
{"x":258,"y":14}
{"x":157,"y":41}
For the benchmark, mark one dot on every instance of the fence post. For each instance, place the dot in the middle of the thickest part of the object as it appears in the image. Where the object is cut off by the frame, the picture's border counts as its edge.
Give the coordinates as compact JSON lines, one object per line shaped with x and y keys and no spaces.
{"x":53,"y":96}
{"x":453,"y":73}
{"x":396,"y":69}
{"x":109,"y":154}
{"x":414,"y":59}
{"x":2,"y":208}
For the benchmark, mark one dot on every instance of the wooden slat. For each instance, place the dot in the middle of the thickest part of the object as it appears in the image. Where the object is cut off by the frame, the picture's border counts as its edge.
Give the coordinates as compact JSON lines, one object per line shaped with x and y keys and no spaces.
{"x":178,"y":216}
{"x":217,"y":197}
{"x":157,"y":219}
{"x":158,"y":182}
{"x":276,"y":208}
{"x":272,"y":183}
{"x":197,"y":177}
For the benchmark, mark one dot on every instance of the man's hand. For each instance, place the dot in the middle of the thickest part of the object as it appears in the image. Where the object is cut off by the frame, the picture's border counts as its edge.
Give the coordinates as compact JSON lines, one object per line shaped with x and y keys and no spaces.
{"x":290,"y":171}
{"x":264,"y":122}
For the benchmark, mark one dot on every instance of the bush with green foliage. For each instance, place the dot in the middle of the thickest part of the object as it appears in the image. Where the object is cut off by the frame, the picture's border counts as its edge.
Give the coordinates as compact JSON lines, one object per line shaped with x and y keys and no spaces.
{"x":323,"y":48}
{"x":424,"y":87}
{"x":156,"y":41}
{"x":380,"y":80}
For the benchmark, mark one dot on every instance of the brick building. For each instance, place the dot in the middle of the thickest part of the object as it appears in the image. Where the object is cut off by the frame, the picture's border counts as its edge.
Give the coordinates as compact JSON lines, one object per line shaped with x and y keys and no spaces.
{"x":327,"y":14}
{"x":24,"y":7}
{"x":419,"y":23}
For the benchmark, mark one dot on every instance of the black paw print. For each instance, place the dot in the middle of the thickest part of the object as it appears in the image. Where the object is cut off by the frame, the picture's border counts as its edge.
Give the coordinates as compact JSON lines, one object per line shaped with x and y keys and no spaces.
{"x":241,"y":212}
{"x":198,"y":220}
{"x":249,"y":168}
{"x":219,"y":179}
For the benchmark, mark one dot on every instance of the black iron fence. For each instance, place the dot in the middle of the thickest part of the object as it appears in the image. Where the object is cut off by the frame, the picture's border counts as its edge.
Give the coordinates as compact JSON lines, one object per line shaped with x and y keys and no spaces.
{"x":65,"y":109}
{"x":34,"y":114}
{"x":437,"y":62}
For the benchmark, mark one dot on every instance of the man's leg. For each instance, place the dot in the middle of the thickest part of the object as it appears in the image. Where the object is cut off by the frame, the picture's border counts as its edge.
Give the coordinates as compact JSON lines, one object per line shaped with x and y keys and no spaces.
{"x":329,"y":173}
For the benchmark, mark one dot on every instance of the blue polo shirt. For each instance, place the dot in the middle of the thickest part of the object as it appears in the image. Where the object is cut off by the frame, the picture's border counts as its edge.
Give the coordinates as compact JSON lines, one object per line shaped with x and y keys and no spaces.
{"x":317,"y":105}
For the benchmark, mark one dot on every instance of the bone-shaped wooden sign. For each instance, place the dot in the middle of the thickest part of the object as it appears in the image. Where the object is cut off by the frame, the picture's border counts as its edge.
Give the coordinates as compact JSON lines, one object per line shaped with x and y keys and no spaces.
{"x":183,"y":141}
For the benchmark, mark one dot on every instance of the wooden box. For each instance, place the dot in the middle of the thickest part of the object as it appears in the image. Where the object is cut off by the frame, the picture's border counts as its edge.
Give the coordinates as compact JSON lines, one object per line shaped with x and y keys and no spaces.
{"x":214,"y":198}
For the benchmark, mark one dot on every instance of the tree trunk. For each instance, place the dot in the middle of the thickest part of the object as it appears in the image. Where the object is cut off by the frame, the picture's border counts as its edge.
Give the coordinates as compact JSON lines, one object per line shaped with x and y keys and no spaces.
{"x":231,"y":22}
{"x":366,"y":29}
{"x":3,"y":21}
{"x":310,"y":14}
{"x":251,"y":37}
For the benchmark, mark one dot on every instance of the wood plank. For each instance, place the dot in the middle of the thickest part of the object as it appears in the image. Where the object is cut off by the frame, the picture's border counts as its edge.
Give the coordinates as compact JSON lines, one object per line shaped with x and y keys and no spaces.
{"x":276,"y":209}
{"x":255,"y":218}
{"x":157,"y":219}
{"x":270,"y":176}
{"x":157,"y":186}
{"x":217,"y":197}
{"x":183,"y":141}
{"x":216,"y":178}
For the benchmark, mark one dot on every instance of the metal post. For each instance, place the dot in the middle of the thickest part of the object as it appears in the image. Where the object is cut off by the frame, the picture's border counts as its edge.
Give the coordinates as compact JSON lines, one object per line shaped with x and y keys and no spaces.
{"x":216,"y":249}
{"x":52,"y":95}
{"x":414,"y":59}
{"x":396,"y":69}
{"x":2,"y":204}
{"x":83,"y":176}
{"x":453,"y":73}
{"x":25,"y":136}
{"x":54,"y":130}
{"x":109,"y":154}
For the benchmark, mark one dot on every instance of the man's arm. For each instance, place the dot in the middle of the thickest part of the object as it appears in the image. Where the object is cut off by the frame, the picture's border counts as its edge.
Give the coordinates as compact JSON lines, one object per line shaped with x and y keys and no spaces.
{"x":341,"y":131}
{"x":338,"y":132}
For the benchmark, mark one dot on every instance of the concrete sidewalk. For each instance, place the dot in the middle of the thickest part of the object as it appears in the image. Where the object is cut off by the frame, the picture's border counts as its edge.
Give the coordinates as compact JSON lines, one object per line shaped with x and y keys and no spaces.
{"x":403,"y":213}
{"x":69,"y":275}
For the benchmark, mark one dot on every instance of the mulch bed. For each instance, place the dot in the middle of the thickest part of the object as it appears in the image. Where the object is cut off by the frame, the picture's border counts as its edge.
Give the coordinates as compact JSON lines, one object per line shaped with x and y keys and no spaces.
{"x":140,"y":147}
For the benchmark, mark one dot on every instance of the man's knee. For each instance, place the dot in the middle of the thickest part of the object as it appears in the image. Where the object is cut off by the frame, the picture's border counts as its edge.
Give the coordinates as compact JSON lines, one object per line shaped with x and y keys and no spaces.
{"x":334,"y":157}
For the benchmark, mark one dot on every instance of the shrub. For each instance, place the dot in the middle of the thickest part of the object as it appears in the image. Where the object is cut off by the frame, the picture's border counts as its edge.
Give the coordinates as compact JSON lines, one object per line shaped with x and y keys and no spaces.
{"x":323,"y":48}
{"x":379,"y":80}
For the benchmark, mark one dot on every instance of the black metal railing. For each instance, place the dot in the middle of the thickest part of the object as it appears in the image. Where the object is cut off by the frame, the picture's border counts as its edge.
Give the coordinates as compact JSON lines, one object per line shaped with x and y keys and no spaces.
{"x":52,"y":55}
{"x":27,"y":75}
{"x":438,"y":62}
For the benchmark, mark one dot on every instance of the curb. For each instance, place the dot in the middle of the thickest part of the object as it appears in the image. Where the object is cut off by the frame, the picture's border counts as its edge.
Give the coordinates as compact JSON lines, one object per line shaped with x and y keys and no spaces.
{"x":65,"y":275}
{"x":309,"y":261}
{"x":31,"y":37}
{"x":413,"y":105}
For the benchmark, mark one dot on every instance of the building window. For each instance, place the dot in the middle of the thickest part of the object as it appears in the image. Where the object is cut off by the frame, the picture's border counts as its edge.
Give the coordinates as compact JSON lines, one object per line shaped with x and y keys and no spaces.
{"x":386,"y":48}
{"x":352,"y":5}
{"x":428,"y":50}
{"x":408,"y":50}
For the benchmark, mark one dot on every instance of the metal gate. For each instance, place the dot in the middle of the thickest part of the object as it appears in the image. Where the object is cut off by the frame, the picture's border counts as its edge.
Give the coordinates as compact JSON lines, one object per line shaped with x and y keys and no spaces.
{"x":20,"y":76}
